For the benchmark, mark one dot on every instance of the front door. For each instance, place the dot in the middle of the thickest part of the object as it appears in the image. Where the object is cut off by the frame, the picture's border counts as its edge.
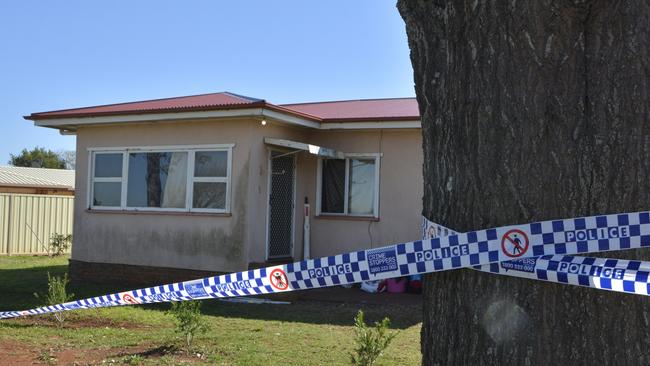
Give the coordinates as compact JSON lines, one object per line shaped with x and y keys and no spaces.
{"x":281,"y":205}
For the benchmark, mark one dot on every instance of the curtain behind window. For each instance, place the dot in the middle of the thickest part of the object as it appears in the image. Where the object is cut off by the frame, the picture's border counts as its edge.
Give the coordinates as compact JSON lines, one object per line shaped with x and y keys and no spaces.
{"x":157,"y":179}
{"x":175,"y":187}
{"x":333,"y":186}
{"x":362,"y":187}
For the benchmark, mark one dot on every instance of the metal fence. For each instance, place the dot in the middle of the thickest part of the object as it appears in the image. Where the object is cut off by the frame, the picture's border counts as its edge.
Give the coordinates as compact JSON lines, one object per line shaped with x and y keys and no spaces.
{"x":27,"y":221}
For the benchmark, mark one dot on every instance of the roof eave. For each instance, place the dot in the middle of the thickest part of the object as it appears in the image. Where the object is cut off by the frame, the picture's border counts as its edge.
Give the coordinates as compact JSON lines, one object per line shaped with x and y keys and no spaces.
{"x":371,"y":119}
{"x":45,"y":186}
{"x":255,"y":110}
{"x":373,"y":125}
{"x":48,"y":115}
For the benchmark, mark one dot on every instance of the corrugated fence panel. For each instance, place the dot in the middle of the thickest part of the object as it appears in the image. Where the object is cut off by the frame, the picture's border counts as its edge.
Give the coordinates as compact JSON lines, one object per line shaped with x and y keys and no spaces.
{"x":4,"y":224}
{"x":28,"y":221}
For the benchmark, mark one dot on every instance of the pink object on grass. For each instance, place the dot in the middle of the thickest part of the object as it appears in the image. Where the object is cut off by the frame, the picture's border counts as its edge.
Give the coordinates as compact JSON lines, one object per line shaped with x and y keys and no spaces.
{"x":396,"y":285}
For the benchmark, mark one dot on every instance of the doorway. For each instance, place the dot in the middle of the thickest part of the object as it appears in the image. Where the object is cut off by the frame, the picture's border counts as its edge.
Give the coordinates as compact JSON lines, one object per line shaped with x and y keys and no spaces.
{"x":281,"y":205}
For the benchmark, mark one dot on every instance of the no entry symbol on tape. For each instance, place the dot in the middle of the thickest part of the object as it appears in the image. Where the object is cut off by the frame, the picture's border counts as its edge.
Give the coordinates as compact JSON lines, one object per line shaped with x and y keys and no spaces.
{"x":127,"y":298}
{"x":279,"y":279}
{"x":514,"y":243}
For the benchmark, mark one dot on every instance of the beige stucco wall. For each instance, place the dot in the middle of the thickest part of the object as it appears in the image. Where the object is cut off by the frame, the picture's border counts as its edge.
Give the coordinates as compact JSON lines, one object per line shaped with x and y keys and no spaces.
{"x":400,"y":199}
{"x":259,"y":190}
{"x":400,"y":191}
{"x":218,"y":243}
{"x":204,"y":242}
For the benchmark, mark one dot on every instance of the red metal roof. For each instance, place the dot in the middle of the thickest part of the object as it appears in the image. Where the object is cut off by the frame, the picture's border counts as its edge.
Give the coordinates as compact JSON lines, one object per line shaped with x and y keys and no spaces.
{"x":338,"y":111}
{"x":192,"y":102}
{"x":359,"y":110}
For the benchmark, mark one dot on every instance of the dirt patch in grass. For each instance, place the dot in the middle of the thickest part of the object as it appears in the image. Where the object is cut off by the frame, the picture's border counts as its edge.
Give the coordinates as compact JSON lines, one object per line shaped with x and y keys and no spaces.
{"x":77,"y":322}
{"x":153,"y":353}
{"x":17,"y":353}
{"x":133,"y":355}
{"x":25,"y":354}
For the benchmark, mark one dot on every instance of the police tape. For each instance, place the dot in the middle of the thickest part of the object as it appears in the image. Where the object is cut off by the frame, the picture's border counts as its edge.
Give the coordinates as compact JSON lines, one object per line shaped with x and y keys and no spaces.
{"x":619,"y":275}
{"x":476,"y":248}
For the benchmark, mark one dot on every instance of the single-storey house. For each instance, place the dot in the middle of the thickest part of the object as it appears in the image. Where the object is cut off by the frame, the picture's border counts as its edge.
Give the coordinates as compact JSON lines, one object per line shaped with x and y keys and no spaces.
{"x":14,"y":179}
{"x":177,"y":187}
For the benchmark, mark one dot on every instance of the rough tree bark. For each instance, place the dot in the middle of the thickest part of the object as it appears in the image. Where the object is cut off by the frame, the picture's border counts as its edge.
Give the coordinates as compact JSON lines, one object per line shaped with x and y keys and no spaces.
{"x":531,"y":110}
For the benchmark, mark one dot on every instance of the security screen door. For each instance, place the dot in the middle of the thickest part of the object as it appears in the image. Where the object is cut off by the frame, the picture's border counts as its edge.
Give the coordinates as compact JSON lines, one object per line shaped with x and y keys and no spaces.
{"x":281,"y":204}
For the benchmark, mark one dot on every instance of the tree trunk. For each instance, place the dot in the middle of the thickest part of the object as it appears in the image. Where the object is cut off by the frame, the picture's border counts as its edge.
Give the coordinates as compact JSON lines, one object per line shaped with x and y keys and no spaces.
{"x":531,"y":110}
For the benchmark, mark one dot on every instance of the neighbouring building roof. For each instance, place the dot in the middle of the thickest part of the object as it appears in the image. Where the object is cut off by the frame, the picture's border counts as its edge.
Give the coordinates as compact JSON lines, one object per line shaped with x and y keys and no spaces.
{"x":308,"y":114}
{"x":36,"y":177}
{"x":360,"y":110}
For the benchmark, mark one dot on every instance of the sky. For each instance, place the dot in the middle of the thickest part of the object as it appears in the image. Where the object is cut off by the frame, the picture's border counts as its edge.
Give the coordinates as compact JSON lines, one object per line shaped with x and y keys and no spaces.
{"x":66,"y":54}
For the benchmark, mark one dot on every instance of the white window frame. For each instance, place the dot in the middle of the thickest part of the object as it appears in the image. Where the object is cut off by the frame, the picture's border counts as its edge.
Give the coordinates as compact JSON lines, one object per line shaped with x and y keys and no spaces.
{"x":92,"y":180}
{"x":189,"y":149}
{"x":191,"y":179}
{"x":348,"y":156}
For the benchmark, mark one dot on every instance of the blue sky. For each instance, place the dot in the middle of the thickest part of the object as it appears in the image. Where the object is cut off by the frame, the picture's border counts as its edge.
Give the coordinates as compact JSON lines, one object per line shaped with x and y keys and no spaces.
{"x":64,"y":54}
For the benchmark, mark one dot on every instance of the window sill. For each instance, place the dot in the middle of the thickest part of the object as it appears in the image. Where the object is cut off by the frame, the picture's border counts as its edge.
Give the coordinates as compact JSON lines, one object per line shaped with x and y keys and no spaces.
{"x":347,"y":217}
{"x":163,"y":213}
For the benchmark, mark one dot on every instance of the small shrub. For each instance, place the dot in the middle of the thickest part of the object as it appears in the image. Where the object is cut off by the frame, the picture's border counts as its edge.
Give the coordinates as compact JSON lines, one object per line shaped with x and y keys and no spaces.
{"x":56,"y":293}
{"x":371,"y":341}
{"x":58,"y":245}
{"x":133,"y":360}
{"x":189,"y":321}
{"x":47,"y":357}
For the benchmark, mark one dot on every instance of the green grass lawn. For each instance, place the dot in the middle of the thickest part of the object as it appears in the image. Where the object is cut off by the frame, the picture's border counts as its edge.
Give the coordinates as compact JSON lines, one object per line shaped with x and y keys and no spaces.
{"x":303,"y":333}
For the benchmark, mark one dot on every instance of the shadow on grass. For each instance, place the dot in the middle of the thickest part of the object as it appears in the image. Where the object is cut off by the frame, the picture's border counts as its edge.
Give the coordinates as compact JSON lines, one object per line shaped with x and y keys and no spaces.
{"x":19,"y":285}
{"x":180,"y":357}
{"x":316,"y":312}
{"x":158,"y":351}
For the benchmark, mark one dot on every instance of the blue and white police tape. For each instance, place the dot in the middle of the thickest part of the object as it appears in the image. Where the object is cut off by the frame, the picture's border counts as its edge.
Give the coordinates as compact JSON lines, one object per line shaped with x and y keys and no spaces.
{"x":482,"y":247}
{"x":620,"y":275}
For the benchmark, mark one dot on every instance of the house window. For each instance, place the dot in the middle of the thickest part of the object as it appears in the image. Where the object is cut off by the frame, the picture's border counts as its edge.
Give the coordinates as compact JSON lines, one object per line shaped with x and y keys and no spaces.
{"x":210,"y":180}
{"x":195,"y":179}
{"x":157,"y":179}
{"x":107,"y":180}
{"x":349,"y":186}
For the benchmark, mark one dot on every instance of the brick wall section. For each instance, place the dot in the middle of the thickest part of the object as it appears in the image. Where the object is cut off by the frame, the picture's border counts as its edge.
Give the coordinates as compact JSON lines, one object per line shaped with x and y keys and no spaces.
{"x":126,"y":274}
